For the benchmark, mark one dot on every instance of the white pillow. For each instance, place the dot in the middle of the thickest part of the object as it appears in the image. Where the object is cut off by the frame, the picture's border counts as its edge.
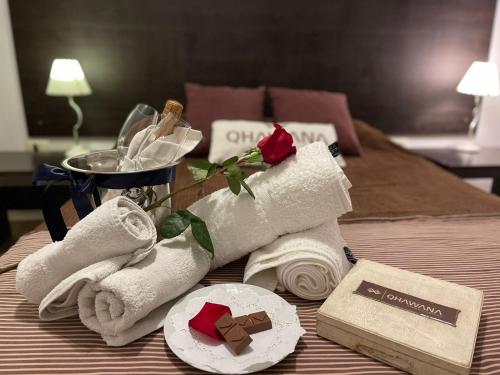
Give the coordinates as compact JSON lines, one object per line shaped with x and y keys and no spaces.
{"x":234,"y":137}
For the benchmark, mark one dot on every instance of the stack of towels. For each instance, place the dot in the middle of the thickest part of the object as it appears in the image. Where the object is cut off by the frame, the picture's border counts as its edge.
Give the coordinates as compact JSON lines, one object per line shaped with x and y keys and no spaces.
{"x":111,"y":272}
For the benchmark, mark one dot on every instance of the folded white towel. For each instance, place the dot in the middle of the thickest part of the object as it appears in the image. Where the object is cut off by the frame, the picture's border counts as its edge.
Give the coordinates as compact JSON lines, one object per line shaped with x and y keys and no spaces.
{"x":309,"y":264}
{"x":117,"y":227}
{"x":61,"y":301}
{"x":150,"y":323}
{"x":304,"y":191}
{"x":119,"y":301}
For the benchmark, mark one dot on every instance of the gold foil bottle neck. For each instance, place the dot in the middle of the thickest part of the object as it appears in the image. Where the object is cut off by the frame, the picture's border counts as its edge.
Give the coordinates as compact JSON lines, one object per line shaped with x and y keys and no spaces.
{"x":174,"y":107}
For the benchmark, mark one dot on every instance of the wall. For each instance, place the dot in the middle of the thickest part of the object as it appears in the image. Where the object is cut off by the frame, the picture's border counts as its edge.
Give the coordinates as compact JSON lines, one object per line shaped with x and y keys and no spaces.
{"x":399,"y":68}
{"x":489,"y":127}
{"x":13,"y":133}
{"x":13,"y":124}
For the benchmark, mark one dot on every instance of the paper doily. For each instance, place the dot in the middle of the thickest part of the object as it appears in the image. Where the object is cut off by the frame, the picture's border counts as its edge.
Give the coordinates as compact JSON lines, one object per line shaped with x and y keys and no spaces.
{"x":267,"y":348}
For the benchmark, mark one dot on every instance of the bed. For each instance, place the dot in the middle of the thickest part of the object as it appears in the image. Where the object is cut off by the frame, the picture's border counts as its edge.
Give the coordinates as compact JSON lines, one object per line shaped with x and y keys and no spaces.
{"x":407,"y":213}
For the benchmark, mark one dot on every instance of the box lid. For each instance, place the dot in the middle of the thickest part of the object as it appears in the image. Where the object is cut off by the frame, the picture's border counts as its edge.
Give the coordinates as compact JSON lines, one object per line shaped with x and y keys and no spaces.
{"x":401,"y":308}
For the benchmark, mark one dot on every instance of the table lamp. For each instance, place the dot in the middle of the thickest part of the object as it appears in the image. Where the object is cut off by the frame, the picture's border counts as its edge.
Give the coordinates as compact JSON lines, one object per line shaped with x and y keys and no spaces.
{"x":481,"y":79}
{"x":67,"y":79}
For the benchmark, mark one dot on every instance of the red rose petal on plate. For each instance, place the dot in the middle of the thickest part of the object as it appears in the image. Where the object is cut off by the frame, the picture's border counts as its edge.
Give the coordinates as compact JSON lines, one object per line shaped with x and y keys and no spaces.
{"x":204,"y":321}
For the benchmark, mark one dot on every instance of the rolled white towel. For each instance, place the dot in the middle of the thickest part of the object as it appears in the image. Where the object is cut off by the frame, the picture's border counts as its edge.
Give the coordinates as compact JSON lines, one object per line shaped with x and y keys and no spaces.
{"x":117,"y":302}
{"x":61,"y":302}
{"x":309,"y":264}
{"x":150,"y":323}
{"x":117,"y":227}
{"x":304,"y":191}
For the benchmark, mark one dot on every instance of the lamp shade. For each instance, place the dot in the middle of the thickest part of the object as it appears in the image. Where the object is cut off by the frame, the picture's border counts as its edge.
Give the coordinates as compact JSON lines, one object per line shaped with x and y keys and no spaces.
{"x":481,"y":79}
{"x":67,"y":79}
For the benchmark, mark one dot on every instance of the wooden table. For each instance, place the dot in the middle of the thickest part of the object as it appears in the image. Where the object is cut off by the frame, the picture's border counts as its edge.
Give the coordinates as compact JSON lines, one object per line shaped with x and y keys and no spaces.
{"x":485,"y":163}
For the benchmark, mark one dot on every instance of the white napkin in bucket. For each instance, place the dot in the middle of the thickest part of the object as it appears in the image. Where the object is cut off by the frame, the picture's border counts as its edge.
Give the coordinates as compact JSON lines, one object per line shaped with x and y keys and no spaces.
{"x":160,"y":152}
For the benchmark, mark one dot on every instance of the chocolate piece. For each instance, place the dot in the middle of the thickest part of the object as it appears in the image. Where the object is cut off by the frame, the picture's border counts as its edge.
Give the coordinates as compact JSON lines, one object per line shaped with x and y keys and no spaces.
{"x":256,"y":322}
{"x":234,"y":334}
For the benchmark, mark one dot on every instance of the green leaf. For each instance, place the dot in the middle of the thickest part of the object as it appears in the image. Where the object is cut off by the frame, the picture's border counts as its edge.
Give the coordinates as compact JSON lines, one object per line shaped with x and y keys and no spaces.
{"x":201,"y":234}
{"x":230,"y":161}
{"x":176,"y":223}
{"x":236,"y":172}
{"x":198,"y":173}
{"x":247,"y":188}
{"x":201,"y":169}
{"x":202,"y":164}
{"x":234,"y":184}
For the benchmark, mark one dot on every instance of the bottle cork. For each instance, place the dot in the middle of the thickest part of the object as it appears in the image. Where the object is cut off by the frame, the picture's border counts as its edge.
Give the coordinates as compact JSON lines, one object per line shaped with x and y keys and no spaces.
{"x":174,"y":107}
{"x":171,"y":113}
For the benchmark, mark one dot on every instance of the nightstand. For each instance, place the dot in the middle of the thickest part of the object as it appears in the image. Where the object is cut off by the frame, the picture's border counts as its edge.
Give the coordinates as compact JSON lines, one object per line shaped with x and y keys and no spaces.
{"x":16,"y":190}
{"x":484,"y":163}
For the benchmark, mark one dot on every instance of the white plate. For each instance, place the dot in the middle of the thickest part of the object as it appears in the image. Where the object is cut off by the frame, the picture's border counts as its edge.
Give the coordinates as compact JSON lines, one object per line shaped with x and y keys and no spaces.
{"x":267,"y":348}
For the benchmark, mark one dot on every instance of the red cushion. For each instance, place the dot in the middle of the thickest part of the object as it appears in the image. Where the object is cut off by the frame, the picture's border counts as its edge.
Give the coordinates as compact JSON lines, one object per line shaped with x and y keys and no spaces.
{"x":317,"y":106}
{"x":206,"y":104}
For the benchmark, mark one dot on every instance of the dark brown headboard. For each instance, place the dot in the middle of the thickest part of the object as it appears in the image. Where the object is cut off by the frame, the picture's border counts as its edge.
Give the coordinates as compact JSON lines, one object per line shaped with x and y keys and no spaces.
{"x":398,"y":60}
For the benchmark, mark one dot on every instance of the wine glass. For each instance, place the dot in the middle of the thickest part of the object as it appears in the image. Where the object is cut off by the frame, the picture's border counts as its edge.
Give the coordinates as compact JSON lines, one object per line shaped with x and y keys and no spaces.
{"x":138,"y":119}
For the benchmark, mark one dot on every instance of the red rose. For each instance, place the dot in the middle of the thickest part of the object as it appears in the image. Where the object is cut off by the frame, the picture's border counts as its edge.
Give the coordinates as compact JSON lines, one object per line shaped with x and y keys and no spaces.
{"x":278,"y":146}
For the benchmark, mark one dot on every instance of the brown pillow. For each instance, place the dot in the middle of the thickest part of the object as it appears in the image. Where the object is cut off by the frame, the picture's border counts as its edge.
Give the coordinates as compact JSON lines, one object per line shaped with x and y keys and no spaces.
{"x":206,"y":104}
{"x":317,"y":106}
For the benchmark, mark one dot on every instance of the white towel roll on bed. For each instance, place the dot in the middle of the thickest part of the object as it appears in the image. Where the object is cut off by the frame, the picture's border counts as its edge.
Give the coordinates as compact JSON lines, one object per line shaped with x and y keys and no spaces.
{"x":304,"y":191}
{"x":154,"y":320}
{"x":309,"y":264}
{"x":115,"y":228}
{"x":117,"y":302}
{"x":61,"y":302}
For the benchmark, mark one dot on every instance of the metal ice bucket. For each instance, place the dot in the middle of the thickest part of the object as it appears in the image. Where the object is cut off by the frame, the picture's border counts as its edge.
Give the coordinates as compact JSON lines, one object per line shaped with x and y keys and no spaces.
{"x":93,"y":178}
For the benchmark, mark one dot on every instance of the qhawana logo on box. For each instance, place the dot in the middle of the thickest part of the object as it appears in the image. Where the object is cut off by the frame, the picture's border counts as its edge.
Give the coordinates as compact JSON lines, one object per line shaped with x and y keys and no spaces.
{"x":407,"y":302}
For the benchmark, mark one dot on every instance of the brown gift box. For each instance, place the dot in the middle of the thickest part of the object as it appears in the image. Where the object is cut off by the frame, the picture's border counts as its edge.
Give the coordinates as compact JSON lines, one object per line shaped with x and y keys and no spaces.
{"x":413,"y":322}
